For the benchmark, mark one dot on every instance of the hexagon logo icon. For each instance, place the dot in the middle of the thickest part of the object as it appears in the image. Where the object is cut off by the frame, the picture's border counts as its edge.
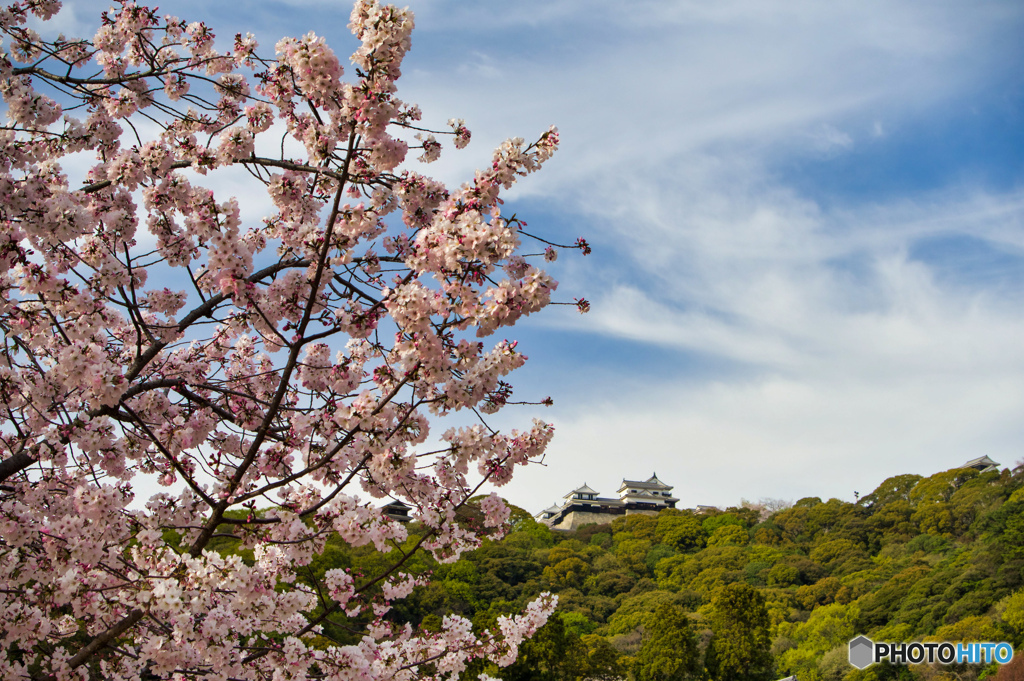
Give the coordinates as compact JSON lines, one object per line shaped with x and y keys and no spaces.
{"x":862,"y":652}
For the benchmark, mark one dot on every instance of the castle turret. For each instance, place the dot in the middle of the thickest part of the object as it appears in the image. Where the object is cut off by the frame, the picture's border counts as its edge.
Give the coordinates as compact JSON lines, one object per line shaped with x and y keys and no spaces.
{"x":651,"y":491}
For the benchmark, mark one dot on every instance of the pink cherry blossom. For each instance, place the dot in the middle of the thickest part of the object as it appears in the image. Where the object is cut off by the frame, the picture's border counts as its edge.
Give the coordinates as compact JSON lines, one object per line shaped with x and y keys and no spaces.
{"x":273,"y":381}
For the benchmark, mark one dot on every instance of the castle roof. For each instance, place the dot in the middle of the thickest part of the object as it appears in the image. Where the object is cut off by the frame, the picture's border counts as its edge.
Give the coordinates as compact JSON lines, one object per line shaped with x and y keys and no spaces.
{"x":982,"y":463}
{"x":397,"y":510}
{"x":650,"y":483}
{"x":580,"y":490}
{"x":645,"y":494}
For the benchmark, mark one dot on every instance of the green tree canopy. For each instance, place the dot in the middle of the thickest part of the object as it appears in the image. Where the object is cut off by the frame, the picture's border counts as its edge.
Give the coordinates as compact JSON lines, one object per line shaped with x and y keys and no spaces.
{"x":740,"y":647}
{"x":669,"y":650}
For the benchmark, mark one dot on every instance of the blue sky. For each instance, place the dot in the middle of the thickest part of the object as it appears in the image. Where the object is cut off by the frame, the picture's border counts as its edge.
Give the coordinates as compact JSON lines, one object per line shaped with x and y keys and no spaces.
{"x":807,"y":220}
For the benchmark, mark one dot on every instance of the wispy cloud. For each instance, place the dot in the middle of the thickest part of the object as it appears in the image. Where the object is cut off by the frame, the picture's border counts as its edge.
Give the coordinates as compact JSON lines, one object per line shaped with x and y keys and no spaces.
{"x":850,"y":358}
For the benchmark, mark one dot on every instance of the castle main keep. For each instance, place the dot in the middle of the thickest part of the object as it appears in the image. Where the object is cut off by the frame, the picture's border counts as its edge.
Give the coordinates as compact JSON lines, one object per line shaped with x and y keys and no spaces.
{"x":583,"y":506}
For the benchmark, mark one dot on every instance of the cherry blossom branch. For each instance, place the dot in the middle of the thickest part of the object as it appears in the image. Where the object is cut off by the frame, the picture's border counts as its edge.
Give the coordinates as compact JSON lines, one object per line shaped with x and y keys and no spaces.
{"x":109,"y":372}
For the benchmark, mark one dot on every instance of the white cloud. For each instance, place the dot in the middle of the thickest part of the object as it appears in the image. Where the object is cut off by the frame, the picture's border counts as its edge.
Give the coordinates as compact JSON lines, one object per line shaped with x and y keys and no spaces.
{"x":827,"y":139}
{"x":779,"y":437}
{"x":840,"y":374}
{"x":668,"y":79}
{"x":479,"y":65}
{"x":849,"y":358}
{"x":68,"y":21}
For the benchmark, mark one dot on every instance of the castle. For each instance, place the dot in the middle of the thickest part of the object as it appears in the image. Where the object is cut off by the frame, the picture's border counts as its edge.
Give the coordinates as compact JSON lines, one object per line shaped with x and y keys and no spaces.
{"x":582,"y":506}
{"x":982,"y":464}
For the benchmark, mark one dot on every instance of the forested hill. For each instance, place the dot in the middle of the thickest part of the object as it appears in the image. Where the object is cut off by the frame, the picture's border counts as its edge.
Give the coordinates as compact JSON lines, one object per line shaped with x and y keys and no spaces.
{"x":748,"y":594}
{"x":743,"y":594}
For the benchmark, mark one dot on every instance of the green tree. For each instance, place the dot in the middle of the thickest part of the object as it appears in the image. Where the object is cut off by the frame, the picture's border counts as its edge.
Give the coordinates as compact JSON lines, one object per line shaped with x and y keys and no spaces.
{"x":680,"y":531}
{"x":740,"y":647}
{"x":636,"y":609}
{"x":828,"y":627}
{"x":632,"y":553}
{"x":934,"y":513}
{"x":604,"y":662}
{"x":942,"y":486}
{"x":553,"y":654}
{"x":569,"y":572}
{"x":729,"y":535}
{"x":783,"y":575}
{"x":974,"y":628}
{"x":639,"y":525}
{"x":1013,"y":614}
{"x":718,"y":520}
{"x":610,"y":583}
{"x":669,"y":649}
{"x":892,"y":489}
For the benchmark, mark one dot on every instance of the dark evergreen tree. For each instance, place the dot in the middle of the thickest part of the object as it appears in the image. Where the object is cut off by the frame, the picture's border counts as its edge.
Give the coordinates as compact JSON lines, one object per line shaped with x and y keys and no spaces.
{"x":740,"y":647}
{"x":669,"y":649}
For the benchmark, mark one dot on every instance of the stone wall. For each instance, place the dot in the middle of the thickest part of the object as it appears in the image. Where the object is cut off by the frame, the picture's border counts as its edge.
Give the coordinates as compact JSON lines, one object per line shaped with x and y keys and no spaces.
{"x":573,"y":520}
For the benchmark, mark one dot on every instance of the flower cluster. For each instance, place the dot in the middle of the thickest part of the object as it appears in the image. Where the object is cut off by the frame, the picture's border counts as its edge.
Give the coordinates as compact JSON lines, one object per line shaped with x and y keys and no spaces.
{"x":275,"y":381}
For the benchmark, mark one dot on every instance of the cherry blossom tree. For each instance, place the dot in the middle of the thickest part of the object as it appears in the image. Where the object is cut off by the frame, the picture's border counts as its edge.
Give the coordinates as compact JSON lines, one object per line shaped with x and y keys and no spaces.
{"x":273,"y":381}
